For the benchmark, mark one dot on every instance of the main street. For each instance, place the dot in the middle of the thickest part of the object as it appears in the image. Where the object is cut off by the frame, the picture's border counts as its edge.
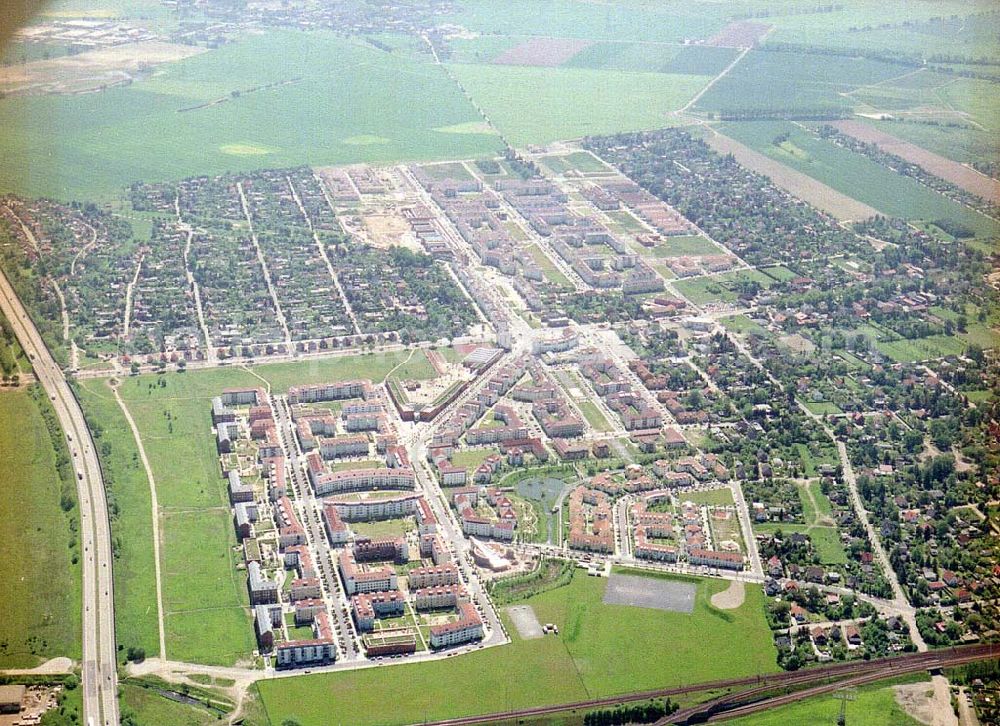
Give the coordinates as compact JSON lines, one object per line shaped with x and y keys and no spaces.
{"x":100,"y":677}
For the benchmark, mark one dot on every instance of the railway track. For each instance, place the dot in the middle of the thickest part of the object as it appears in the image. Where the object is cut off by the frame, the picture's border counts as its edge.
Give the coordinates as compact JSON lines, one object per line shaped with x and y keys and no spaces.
{"x":840,"y":674}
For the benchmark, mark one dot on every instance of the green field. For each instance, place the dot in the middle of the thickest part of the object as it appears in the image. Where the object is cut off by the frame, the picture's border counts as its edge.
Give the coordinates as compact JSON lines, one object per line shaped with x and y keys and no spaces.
{"x":415,"y":367}
{"x":594,"y":416}
{"x":788,"y":81}
{"x":148,"y":707}
{"x":630,"y":21}
{"x":568,"y":103}
{"x":711,"y":497}
{"x":875,"y":705}
{"x":938,"y":346}
{"x":855,"y":175}
{"x":41,"y":593}
{"x":587,"y":659}
{"x":337,"y":101}
{"x":701,"y":60}
{"x":963,"y":144}
{"x":702,"y":290}
{"x":128,"y":495}
{"x":582,"y":161}
{"x":548,"y":267}
{"x":685,"y":245}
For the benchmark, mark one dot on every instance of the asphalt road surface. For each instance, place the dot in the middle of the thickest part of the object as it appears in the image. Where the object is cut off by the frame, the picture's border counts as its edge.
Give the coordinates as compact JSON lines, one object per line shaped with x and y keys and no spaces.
{"x":100,"y":678}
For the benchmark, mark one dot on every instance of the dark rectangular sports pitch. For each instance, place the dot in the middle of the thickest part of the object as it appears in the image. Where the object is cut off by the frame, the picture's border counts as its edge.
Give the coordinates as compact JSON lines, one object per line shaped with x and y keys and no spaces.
{"x":650,"y":592}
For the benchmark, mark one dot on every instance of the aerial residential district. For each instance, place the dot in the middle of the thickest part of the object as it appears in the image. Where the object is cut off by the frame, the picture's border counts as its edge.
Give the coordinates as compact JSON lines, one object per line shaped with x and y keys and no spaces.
{"x":651,"y":424}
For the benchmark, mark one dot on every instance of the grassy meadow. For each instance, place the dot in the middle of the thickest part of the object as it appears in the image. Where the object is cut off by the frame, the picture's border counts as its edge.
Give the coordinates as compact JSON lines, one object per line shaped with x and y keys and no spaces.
{"x":568,"y":103}
{"x":277,"y":99}
{"x":587,"y":659}
{"x":855,"y":175}
{"x":40,"y":598}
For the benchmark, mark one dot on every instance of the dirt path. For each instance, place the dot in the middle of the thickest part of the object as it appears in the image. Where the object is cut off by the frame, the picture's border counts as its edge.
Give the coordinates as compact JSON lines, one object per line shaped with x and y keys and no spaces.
{"x":156,"y":519}
{"x":53,"y":666}
{"x":730,"y":598}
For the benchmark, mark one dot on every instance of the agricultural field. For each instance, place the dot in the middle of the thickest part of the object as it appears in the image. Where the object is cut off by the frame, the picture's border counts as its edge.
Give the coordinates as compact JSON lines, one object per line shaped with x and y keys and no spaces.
{"x":235,"y":109}
{"x":855,"y":175}
{"x":773,"y":81}
{"x":569,"y":103}
{"x":964,"y":144}
{"x":585,"y":658}
{"x":580,"y":19}
{"x":39,"y":567}
{"x":700,"y":60}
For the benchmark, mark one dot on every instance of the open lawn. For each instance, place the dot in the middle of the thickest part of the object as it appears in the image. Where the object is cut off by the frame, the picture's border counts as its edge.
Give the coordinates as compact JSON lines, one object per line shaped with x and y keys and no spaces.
{"x":290,"y":97}
{"x":40,"y":598}
{"x":711,"y":497}
{"x":548,"y":267}
{"x":569,"y":103}
{"x":594,"y":416}
{"x":384,"y":528}
{"x":686,"y":245}
{"x":582,"y":161}
{"x":585,"y":659}
{"x":135,"y":583}
{"x":855,"y":175}
{"x":472,"y":458}
{"x":415,"y":367}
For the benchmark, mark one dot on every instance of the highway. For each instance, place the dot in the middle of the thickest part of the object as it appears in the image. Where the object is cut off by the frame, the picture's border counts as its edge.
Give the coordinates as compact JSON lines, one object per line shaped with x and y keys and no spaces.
{"x":100,"y":677}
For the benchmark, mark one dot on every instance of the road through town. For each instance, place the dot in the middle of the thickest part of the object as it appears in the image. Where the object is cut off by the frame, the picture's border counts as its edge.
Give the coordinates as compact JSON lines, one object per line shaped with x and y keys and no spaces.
{"x":100,"y":699}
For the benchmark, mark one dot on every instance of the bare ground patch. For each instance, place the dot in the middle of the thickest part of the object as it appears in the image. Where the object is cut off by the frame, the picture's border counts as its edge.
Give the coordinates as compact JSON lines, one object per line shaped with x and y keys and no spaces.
{"x":542,"y":52}
{"x":390,"y":230}
{"x":914,"y":699}
{"x":91,"y":70}
{"x":730,"y":598}
{"x":740,"y":34}
{"x":794,"y":182}
{"x":958,"y":174}
{"x":526,"y":622}
{"x":650,"y":592}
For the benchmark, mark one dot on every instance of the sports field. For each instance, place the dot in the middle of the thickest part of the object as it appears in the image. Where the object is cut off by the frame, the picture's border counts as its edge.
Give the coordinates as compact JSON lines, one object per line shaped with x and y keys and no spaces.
{"x":569,"y":103}
{"x":586,"y":659}
{"x":276,"y":99}
{"x":40,"y":598}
